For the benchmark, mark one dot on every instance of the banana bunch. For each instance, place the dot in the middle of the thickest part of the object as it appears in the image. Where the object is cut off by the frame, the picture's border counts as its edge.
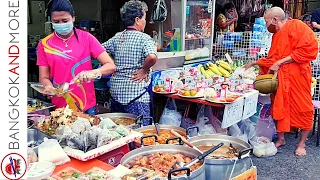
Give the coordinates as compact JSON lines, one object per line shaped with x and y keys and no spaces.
{"x":224,"y":68}
{"x":219,"y":68}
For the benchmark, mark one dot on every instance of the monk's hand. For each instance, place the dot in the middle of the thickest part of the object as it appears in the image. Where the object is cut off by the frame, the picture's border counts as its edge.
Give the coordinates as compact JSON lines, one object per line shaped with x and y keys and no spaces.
{"x":249,"y":65}
{"x":140,"y":75}
{"x":275,"y":67}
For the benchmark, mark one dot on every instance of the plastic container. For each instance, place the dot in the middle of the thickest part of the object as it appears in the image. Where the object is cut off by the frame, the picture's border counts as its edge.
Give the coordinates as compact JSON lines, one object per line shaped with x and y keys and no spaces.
{"x":228,"y":44}
{"x":257,"y":35}
{"x":113,"y":158}
{"x":40,"y":170}
{"x":259,"y":28}
{"x":260,"y":21}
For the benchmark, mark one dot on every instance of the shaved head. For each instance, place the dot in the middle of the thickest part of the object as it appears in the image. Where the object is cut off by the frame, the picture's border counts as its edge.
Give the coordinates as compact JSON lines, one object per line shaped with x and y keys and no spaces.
{"x":275,"y":12}
{"x":275,"y":18}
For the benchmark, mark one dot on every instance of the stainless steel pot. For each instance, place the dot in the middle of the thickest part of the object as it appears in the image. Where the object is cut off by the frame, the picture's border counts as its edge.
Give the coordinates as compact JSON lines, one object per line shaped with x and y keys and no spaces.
{"x":198,"y":174}
{"x":114,"y":116}
{"x":222,"y":169}
{"x":181,"y":131}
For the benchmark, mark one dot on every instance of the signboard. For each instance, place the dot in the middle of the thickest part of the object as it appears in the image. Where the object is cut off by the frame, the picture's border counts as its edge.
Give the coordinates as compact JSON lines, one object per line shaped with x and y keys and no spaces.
{"x":250,"y":174}
{"x":250,"y":104}
{"x":232,"y":113}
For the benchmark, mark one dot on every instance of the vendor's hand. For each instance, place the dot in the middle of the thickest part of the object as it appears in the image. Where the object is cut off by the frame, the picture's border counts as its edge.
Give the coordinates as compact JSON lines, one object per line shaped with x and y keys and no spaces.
{"x":275,"y":67}
{"x":87,"y":76}
{"x":140,"y":75}
{"x":48,"y":89}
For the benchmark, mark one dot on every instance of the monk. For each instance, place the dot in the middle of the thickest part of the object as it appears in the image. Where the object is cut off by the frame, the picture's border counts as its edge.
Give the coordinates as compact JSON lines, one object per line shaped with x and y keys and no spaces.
{"x":293,"y":47}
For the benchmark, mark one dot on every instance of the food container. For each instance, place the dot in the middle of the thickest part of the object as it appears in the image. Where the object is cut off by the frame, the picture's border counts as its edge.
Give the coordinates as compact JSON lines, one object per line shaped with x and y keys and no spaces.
{"x":120,"y":118}
{"x":163,"y":128}
{"x":44,"y":108}
{"x":198,"y":174}
{"x":267,"y":83}
{"x":40,"y":170}
{"x":221,"y":169}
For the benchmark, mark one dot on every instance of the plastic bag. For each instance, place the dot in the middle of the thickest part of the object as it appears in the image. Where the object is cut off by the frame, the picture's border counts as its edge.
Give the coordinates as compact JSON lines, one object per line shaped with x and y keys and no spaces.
{"x":235,"y":131}
{"x":263,"y":147}
{"x":170,"y":116}
{"x":266,"y":128}
{"x":50,"y":150}
{"x":81,"y":125}
{"x":247,"y":128}
{"x":104,"y":137}
{"x":32,"y":156}
{"x":107,"y":123}
{"x":209,"y":122}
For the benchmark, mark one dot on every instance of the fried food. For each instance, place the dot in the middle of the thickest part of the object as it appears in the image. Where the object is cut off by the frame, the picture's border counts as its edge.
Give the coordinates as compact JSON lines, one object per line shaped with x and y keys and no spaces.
{"x":164,"y":135}
{"x":162,"y":163}
{"x":224,"y":152}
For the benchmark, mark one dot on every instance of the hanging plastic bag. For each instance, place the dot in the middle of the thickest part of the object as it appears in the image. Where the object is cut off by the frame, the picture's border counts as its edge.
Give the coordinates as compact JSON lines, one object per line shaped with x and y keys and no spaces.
{"x":247,"y":128}
{"x":214,"y":121}
{"x":170,"y":116}
{"x":50,"y":150}
{"x":236,"y":132}
{"x":203,"y":121}
{"x":266,"y":128}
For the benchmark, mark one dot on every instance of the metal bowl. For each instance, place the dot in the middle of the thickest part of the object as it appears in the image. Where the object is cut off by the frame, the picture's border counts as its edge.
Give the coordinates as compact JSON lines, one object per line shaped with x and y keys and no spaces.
{"x":167,"y":148}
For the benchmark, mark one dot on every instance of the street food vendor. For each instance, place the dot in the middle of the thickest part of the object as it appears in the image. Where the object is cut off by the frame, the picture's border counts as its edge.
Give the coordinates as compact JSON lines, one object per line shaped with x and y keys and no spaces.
{"x":65,"y":56}
{"x":134,"y":53}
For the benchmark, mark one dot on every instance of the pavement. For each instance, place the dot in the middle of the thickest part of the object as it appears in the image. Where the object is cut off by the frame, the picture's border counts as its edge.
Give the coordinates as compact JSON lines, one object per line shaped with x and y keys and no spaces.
{"x":286,"y":166}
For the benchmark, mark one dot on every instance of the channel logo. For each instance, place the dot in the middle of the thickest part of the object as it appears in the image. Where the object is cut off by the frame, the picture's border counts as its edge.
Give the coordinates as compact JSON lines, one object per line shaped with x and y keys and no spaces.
{"x":13,"y":166}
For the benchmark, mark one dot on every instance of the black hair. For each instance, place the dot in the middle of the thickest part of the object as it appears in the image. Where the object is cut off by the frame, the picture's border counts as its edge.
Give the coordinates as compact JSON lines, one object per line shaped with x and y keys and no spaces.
{"x":306,"y":17}
{"x":60,"y":5}
{"x":131,"y":10}
{"x":228,"y":6}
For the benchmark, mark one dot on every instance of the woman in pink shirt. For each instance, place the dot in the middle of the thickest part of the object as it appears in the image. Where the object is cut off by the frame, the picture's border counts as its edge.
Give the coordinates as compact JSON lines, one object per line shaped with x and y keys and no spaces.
{"x":65,"y":56}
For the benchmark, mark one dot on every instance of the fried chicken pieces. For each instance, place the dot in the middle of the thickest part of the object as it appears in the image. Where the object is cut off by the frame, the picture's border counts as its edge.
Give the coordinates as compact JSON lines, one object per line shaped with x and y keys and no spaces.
{"x":162,"y":163}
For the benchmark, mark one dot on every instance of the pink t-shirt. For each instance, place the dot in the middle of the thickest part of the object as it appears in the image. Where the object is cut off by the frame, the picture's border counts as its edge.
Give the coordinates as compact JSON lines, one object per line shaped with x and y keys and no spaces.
{"x":66,"y":61}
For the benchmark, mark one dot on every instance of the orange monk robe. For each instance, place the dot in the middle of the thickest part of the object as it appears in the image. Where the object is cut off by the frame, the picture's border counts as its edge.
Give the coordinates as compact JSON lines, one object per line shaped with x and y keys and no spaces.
{"x":292,"y":103}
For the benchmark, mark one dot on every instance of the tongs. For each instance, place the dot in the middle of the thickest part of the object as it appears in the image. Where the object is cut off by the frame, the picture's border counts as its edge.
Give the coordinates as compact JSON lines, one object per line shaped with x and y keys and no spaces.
{"x":199,"y":158}
{"x":156,"y":125}
{"x":184,"y":140}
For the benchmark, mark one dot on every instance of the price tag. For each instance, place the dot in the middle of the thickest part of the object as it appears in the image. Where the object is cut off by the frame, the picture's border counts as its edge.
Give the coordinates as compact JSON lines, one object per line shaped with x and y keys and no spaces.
{"x":250,"y":174}
{"x":232,"y":113}
{"x":250,"y":104}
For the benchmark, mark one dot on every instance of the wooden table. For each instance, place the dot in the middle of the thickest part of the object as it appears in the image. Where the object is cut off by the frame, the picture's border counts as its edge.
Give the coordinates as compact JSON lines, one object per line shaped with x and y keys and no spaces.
{"x":84,"y":166}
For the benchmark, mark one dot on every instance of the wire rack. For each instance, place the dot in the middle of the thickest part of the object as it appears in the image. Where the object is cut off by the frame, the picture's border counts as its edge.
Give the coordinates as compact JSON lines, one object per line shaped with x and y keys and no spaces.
{"x":244,"y":47}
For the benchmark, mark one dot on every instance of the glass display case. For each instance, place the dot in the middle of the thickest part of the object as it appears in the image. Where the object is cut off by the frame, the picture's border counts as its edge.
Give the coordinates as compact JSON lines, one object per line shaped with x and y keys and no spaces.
{"x":197,"y":29}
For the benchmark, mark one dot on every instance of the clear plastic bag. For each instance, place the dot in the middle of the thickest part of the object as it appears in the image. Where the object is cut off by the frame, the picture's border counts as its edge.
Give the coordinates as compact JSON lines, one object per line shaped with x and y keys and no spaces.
{"x":32,"y":156}
{"x":207,"y":122}
{"x":170,"y":116}
{"x":263,"y":147}
{"x":50,"y":150}
{"x":104,"y":137}
{"x":266,"y":127}
{"x":247,"y":128}
{"x":81,"y":125}
{"x":235,"y":131}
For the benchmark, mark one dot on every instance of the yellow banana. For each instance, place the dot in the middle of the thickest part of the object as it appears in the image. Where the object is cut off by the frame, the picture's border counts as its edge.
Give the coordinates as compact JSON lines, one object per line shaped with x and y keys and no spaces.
{"x":224,"y":72}
{"x":204,"y":72}
{"x":225,"y":65}
{"x":210,"y":64}
{"x":214,"y":69}
{"x":210,"y":72}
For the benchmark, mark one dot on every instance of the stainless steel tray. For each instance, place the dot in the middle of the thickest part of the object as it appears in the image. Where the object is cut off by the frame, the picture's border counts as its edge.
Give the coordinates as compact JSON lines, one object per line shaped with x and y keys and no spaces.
{"x":43,"y":111}
{"x":35,"y":138}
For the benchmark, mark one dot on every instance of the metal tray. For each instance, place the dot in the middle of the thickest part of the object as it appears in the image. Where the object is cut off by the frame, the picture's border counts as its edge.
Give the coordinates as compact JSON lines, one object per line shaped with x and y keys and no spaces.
{"x":35,"y":138}
{"x":43,"y":111}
